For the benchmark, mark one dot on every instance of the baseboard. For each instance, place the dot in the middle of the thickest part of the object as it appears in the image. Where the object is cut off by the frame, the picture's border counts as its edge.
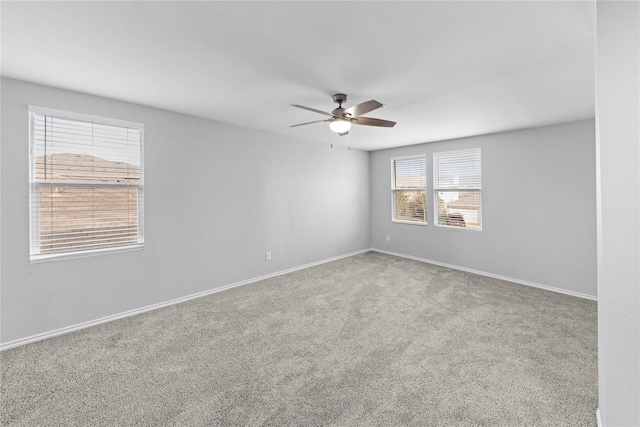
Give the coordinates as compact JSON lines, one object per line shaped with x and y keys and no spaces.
{"x":65,"y":330}
{"x":495,"y":276}
{"x":598,"y":417}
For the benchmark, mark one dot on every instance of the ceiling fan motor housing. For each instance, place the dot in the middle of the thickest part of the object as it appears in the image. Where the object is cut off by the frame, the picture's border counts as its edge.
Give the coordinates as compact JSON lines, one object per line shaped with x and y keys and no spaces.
{"x":339,"y":112}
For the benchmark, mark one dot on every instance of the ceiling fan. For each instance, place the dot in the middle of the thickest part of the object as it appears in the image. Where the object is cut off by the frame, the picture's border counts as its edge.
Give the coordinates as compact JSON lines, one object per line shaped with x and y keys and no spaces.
{"x":342,"y":118}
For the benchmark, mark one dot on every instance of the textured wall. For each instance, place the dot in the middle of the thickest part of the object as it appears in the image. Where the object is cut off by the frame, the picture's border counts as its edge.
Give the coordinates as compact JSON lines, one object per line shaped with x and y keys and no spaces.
{"x":538,"y":208}
{"x":618,"y":124}
{"x":216,"y":198}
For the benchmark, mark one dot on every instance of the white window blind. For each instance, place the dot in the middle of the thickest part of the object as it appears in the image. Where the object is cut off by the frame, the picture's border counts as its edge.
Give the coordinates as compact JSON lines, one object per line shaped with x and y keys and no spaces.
{"x":409,"y":189}
{"x":86,"y":185}
{"x":457,"y":188}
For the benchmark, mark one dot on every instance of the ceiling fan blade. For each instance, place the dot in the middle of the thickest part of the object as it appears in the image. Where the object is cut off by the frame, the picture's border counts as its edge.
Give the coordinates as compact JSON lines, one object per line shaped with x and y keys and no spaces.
{"x":309,"y":123}
{"x":369,"y":121}
{"x":311,"y":109}
{"x":363,"y":108}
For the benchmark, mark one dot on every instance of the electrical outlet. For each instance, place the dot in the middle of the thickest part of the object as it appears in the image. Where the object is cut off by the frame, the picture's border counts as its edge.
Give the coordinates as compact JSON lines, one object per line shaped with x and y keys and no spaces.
{"x":388,"y":238}
{"x":267,"y":256}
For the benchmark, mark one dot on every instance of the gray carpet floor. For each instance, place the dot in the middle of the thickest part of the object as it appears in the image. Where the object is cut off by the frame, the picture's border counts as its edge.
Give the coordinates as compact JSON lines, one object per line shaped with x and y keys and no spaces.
{"x":363,"y":341}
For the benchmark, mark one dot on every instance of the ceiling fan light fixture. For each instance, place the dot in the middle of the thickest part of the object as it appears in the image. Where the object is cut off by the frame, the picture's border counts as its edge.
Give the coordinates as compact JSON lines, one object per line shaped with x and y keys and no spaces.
{"x":339,"y":125}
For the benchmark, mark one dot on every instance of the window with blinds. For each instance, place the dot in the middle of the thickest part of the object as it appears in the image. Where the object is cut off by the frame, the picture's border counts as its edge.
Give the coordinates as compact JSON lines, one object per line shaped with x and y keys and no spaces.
{"x":86,"y":184}
{"x":409,"y":189}
{"x":457,"y":187}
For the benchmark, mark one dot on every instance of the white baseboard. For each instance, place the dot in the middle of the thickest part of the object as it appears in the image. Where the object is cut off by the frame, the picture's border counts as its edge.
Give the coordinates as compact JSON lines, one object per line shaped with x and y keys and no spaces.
{"x":65,"y":330}
{"x":598,"y":417}
{"x":495,"y":276}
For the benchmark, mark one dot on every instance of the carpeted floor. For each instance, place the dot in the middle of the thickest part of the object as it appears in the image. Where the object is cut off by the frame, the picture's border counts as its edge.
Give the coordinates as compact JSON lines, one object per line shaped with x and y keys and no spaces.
{"x":363,"y":341}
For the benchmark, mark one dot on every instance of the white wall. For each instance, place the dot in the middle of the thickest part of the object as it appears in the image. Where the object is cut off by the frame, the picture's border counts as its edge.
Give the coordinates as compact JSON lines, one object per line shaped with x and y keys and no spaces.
{"x":618,"y":140}
{"x":216,"y":198}
{"x":538,"y":206}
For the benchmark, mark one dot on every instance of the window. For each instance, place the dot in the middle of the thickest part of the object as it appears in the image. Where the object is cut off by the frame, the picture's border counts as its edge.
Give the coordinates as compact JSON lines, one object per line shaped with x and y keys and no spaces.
{"x":457,"y":188}
{"x":409,"y":189}
{"x":86,"y":184}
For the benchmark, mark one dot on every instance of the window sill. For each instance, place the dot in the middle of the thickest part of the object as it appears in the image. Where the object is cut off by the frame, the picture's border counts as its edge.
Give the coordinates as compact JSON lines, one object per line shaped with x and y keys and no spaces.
{"x":422,"y":224}
{"x":37,"y":259}
{"x":453,"y":227}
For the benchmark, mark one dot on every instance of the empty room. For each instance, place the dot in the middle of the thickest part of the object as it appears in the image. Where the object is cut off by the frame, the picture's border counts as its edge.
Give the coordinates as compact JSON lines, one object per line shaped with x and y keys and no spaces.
{"x":269,"y":213}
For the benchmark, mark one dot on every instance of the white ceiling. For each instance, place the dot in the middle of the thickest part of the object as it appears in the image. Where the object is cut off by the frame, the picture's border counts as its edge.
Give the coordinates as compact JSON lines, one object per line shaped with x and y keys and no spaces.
{"x":443,"y":69}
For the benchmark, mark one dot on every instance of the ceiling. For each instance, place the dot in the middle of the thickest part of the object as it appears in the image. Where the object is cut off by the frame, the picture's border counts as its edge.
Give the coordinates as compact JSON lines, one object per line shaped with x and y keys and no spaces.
{"x":443,"y":69}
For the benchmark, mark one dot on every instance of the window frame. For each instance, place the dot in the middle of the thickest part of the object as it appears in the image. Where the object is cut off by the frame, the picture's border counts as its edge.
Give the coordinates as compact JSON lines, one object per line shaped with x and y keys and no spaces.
{"x":436,"y":190}
{"x":394,"y":190}
{"x":35,"y":254}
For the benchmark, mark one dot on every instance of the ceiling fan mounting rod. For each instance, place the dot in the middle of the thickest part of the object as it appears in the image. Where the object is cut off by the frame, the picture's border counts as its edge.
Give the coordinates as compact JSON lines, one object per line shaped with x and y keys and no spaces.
{"x":339,"y":98}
